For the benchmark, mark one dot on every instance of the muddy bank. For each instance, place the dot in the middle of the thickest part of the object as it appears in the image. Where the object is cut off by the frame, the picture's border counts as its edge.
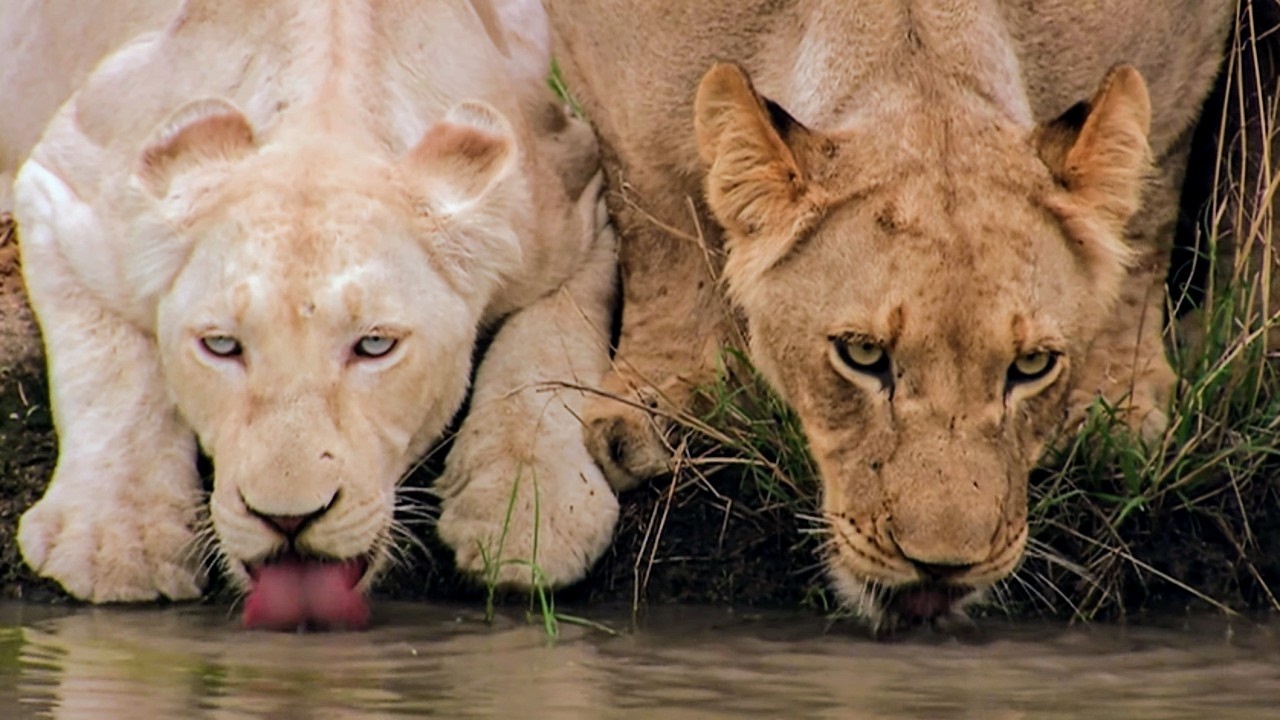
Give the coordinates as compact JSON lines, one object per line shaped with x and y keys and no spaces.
{"x":27,"y":445}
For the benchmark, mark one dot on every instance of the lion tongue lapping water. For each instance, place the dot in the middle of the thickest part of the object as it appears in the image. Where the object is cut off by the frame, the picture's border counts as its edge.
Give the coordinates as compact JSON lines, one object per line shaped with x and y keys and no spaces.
{"x":292,"y":593}
{"x":926,"y":602}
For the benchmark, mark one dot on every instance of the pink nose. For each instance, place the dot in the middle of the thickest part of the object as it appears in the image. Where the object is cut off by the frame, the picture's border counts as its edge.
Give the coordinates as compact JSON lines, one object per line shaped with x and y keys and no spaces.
{"x":286,"y":524}
{"x":291,"y":525}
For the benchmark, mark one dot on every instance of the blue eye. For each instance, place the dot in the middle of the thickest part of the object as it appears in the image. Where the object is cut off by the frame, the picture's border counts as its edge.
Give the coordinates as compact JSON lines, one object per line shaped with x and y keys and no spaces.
{"x":374,"y":346}
{"x":223,"y":346}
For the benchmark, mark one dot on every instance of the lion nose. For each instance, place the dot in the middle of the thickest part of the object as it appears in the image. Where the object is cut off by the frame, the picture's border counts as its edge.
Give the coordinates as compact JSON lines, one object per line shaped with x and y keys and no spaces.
{"x":290,"y":525}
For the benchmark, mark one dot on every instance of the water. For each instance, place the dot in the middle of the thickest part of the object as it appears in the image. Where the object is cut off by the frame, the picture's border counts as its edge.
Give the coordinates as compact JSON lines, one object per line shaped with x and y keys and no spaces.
{"x":677,"y":662}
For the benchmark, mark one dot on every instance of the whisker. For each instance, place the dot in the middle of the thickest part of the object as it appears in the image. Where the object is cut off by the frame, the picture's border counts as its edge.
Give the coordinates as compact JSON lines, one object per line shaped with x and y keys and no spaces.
{"x":415,"y":490}
{"x":385,"y":547}
{"x":1033,"y":593}
{"x":1001,"y":599}
{"x":397,"y":531}
{"x":413,"y":507}
{"x":1038,"y":549}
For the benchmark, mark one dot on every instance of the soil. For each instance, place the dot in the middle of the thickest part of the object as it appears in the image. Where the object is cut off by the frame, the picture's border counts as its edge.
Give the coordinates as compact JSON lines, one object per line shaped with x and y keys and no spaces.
{"x":27,"y":445}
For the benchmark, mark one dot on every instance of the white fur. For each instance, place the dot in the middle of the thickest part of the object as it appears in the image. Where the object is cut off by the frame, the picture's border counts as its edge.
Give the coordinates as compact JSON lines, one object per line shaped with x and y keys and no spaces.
{"x":116,"y":522}
{"x":523,"y":438}
{"x":125,"y":275}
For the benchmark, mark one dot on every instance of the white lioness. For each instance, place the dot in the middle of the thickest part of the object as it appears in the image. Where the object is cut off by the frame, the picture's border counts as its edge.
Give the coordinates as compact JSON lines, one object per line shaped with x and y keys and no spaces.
{"x":942,"y":225}
{"x":275,"y":228}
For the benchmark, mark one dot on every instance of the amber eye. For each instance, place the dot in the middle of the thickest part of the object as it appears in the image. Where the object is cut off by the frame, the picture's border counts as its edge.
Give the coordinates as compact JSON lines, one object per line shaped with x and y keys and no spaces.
{"x":223,"y":346}
{"x":862,"y":356}
{"x":1032,"y":366}
{"x":374,"y":346}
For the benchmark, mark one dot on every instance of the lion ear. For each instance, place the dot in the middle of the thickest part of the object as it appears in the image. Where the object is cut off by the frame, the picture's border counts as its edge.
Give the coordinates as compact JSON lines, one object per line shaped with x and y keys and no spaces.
{"x":1098,"y":153}
{"x":200,"y":131}
{"x":1098,"y":150}
{"x":755,"y":185}
{"x":462,"y":157}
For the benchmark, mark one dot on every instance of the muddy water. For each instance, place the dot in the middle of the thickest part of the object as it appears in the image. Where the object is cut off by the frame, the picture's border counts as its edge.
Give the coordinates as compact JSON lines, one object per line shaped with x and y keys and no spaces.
{"x":424,"y":661}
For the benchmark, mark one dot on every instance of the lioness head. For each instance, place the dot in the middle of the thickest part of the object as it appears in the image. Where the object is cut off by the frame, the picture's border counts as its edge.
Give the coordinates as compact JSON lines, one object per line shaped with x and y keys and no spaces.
{"x":921,"y":289}
{"x":317,"y":309}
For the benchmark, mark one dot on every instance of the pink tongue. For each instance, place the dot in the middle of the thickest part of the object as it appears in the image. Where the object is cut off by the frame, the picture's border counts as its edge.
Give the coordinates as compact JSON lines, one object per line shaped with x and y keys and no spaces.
{"x":291,"y":593}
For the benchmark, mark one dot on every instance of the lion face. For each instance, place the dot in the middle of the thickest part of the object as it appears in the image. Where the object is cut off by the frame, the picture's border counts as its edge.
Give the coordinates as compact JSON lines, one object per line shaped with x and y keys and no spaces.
{"x":926,"y":394}
{"x":313,"y":362}
{"x":919,"y":292}
{"x":318,"y":331}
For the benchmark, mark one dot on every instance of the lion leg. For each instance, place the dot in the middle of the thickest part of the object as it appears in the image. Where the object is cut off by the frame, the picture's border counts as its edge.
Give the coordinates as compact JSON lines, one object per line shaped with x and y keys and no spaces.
{"x":1127,"y":364}
{"x":674,"y":327}
{"x":116,"y":522}
{"x":520,"y":488}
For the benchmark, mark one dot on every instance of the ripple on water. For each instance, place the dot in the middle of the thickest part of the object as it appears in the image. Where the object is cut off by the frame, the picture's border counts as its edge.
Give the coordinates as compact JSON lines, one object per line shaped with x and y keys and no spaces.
{"x":419,"y":660}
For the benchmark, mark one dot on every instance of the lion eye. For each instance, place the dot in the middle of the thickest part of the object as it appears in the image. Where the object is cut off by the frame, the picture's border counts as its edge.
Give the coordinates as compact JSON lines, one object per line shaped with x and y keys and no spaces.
{"x":862,"y":356}
{"x":1032,"y":366}
{"x":374,"y":346}
{"x":223,"y":346}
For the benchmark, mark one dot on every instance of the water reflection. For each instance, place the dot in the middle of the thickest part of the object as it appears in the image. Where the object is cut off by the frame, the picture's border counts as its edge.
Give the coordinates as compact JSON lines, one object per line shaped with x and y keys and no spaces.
{"x":193,"y":662}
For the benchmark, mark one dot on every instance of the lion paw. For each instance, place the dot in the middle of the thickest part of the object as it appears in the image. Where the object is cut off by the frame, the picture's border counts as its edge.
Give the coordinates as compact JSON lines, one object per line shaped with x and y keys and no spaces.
{"x":106,"y":551}
{"x":1146,"y":406}
{"x":1142,"y":407}
{"x":556,"y":513}
{"x":627,"y":441}
{"x":1147,"y":419}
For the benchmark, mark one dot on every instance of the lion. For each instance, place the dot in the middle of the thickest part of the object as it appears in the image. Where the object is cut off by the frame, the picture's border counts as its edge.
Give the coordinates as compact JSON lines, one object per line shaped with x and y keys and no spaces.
{"x":274,"y":232}
{"x":944,"y":225}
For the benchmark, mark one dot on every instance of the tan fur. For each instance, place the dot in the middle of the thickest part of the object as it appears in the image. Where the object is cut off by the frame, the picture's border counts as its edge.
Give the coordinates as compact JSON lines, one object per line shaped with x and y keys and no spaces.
{"x":301,"y":176}
{"x":918,"y":187}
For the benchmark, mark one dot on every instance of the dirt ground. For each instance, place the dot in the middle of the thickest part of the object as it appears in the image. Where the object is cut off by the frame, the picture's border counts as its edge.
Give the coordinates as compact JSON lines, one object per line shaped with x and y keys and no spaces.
{"x":27,"y":445}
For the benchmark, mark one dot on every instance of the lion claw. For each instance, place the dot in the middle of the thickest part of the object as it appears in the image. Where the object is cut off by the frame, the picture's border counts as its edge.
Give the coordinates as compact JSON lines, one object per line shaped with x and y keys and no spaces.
{"x":628,"y":442}
{"x":98,"y":554}
{"x":510,"y":517}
